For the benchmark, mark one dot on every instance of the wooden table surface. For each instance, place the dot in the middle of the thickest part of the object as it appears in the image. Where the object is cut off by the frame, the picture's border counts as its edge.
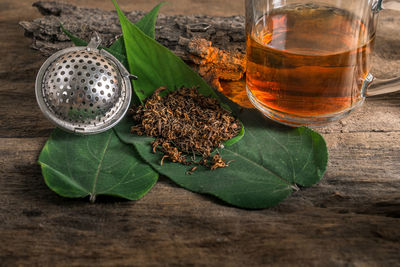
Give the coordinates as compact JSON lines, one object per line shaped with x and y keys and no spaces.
{"x":352,"y":217}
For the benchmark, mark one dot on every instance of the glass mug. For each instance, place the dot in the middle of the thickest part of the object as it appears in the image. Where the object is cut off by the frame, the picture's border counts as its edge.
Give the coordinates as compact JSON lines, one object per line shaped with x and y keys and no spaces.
{"x":308,"y":62}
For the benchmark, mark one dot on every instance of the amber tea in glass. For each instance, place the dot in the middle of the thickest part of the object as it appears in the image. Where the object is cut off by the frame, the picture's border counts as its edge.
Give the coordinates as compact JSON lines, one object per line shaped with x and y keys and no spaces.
{"x":308,"y":63}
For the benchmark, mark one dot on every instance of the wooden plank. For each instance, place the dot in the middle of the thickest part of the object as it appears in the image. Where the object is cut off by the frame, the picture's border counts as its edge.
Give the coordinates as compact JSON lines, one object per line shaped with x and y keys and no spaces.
{"x":19,"y":114}
{"x":339,"y":221}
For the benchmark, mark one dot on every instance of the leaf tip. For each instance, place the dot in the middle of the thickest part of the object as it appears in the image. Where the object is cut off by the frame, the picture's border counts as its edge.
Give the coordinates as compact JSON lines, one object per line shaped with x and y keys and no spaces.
{"x":117,"y":7}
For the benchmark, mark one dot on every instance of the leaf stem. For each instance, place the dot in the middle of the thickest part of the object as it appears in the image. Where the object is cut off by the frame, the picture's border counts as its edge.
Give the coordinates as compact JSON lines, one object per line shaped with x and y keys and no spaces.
{"x":295,"y":187}
{"x":92,"y":198}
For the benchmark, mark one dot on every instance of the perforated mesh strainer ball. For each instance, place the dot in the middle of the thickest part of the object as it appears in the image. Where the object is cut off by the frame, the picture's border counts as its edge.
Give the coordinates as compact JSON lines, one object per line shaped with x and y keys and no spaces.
{"x":83,"y":89}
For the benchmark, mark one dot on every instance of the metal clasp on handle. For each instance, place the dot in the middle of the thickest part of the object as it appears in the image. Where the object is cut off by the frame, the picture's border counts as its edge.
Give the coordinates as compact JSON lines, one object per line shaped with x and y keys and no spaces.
{"x":95,"y":41}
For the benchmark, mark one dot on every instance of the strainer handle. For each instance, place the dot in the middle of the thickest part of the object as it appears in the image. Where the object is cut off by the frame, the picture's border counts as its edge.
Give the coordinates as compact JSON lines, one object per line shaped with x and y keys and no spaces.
{"x":95,"y":41}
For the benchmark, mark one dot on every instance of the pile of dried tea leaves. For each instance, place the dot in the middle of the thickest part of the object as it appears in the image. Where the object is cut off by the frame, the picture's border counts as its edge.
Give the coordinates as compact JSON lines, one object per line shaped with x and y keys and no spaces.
{"x":185,"y":124}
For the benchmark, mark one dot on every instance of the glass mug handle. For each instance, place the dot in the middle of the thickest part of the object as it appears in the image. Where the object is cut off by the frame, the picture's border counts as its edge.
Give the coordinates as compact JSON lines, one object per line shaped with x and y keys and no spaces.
{"x":377,"y":86}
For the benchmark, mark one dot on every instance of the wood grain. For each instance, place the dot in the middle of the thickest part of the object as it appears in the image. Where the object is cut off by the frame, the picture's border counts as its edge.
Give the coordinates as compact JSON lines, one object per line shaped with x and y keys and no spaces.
{"x":351,"y":218}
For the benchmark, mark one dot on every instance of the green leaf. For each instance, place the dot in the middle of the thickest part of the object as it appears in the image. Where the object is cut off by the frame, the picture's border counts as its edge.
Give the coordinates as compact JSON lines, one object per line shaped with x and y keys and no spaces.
{"x":79,"y":166}
{"x":148,"y":22}
{"x":265,"y":168}
{"x":119,"y":45}
{"x":156,"y":65}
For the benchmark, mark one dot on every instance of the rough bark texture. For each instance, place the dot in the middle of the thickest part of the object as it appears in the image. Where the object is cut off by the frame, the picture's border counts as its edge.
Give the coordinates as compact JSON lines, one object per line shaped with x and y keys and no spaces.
{"x":351,"y":218}
{"x":215,"y":45}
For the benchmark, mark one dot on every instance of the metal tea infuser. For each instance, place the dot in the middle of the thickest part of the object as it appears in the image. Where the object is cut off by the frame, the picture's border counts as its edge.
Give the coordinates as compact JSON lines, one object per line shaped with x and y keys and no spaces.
{"x":84,"y":90}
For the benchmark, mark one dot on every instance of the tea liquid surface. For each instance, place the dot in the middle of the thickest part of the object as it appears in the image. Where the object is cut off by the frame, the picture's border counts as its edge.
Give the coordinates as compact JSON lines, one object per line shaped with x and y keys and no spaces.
{"x":308,"y":60}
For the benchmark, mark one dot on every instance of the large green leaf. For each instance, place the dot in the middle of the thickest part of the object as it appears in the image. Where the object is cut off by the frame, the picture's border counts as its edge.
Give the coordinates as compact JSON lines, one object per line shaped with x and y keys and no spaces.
{"x":80,"y":166}
{"x":266,"y":165}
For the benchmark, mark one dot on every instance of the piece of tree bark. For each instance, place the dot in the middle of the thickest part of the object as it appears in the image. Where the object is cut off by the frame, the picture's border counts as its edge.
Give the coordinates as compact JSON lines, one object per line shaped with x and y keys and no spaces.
{"x":214,"y":46}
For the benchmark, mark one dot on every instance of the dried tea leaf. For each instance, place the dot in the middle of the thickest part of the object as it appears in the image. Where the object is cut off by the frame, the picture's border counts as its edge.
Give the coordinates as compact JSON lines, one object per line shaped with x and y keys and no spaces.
{"x":185,"y":120}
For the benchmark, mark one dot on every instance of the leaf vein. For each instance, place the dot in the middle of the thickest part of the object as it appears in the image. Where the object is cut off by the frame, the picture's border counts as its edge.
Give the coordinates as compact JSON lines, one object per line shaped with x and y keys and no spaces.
{"x":100,"y":165}
{"x":287,"y":152}
{"x":122,"y":179}
{"x":258,"y":165}
{"x":64,"y":177}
